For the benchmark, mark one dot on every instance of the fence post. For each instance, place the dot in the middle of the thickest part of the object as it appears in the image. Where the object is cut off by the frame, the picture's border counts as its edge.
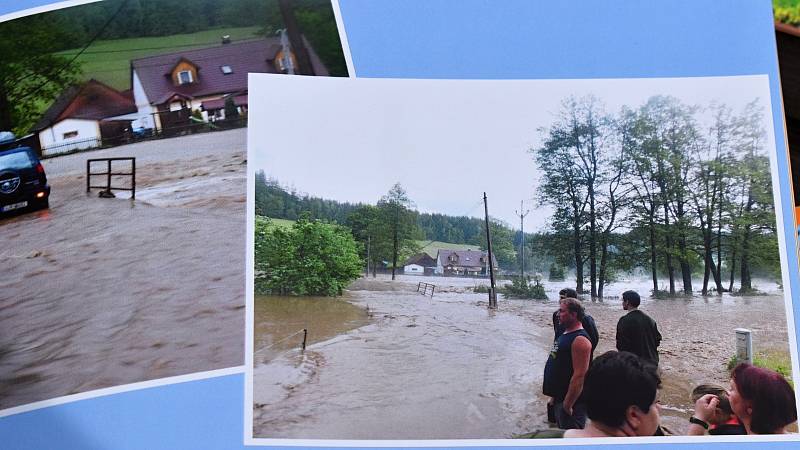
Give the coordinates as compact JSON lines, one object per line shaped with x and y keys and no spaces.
{"x":744,"y":345}
{"x":88,"y":175}
{"x":108,"y":185}
{"x":133,"y":179}
{"x":305,"y":336}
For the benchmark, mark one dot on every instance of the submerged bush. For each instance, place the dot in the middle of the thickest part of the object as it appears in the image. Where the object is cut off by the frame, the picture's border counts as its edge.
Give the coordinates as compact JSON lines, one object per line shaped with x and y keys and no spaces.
{"x":522,"y":288}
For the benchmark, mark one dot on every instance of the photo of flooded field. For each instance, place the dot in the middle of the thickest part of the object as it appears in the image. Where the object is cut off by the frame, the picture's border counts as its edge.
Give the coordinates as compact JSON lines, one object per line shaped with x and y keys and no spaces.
{"x":407,"y":255}
{"x":132,"y":268}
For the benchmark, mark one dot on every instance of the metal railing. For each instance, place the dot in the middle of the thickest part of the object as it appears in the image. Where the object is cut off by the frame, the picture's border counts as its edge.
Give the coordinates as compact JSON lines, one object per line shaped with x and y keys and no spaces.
{"x":108,"y":174}
{"x":422,"y":288}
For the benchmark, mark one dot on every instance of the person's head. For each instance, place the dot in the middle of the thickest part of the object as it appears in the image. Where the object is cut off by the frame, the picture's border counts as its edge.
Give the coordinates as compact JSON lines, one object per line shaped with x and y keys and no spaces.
{"x":620,"y":393}
{"x":762,"y":399}
{"x":570,"y":312}
{"x":723,"y":411}
{"x":567,"y":292}
{"x":630,"y":300}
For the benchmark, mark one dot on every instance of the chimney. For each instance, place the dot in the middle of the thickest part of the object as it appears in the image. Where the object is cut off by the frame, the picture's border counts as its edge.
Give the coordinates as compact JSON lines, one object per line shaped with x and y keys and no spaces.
{"x":226,"y":39}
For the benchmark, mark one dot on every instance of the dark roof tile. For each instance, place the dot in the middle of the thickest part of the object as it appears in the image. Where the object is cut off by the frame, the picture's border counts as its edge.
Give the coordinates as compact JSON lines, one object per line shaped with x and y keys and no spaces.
{"x":244,"y":57}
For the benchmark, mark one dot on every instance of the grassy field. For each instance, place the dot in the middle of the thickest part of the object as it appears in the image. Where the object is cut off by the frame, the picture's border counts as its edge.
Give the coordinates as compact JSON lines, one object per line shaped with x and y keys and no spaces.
{"x":431,"y":247}
{"x":282,"y":222}
{"x":109,"y":61}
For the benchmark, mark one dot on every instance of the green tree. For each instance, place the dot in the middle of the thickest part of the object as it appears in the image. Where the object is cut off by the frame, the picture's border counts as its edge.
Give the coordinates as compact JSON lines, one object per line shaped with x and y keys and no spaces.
{"x":365,"y":226}
{"x":753,"y":213}
{"x":31,"y":76}
{"x":502,"y":244}
{"x":231,"y":112}
{"x":310,"y":258}
{"x":399,"y":223}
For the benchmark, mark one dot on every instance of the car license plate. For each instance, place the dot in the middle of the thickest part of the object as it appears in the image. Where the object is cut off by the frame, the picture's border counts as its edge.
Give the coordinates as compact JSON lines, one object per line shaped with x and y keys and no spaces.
{"x":14,"y":206}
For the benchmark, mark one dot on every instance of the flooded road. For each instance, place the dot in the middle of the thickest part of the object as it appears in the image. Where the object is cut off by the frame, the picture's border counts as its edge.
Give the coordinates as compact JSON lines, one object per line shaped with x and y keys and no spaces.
{"x":447,"y":368}
{"x":104,"y":292}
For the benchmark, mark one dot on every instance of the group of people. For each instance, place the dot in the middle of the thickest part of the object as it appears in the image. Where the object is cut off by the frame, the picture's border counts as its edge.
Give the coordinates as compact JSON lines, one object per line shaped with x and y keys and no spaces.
{"x":617,"y":391}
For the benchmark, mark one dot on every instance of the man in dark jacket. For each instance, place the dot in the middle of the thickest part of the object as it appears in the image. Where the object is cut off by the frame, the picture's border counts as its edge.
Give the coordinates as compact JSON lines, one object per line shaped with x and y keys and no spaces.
{"x":636,"y":331}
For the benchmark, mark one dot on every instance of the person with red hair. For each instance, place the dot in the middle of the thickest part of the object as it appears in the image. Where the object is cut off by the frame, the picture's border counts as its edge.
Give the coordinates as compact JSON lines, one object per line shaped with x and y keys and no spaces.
{"x":761,"y":398}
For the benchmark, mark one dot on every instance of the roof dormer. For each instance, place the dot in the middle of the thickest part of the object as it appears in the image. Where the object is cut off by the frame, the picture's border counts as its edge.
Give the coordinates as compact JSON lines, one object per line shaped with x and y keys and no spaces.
{"x":184,"y":72}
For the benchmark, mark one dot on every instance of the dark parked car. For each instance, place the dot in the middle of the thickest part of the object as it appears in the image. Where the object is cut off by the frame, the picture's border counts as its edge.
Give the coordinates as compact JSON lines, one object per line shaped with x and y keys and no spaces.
{"x":23,"y":182}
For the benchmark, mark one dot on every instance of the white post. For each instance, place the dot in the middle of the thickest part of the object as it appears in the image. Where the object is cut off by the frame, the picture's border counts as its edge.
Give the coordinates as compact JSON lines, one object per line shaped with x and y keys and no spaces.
{"x":744,"y":345}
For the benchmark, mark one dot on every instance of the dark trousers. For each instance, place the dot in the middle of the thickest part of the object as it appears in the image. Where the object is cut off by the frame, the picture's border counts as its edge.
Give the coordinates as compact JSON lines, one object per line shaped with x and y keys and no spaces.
{"x":566,"y":421}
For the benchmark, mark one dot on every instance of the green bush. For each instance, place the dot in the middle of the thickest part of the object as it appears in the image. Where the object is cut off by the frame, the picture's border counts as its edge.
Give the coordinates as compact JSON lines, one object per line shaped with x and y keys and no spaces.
{"x":522,"y":288}
{"x":308,"y":258}
{"x":778,"y":362}
{"x":481,"y":289}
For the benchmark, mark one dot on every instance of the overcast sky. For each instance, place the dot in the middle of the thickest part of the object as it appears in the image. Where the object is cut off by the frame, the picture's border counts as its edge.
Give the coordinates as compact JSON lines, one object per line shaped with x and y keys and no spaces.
{"x":445,"y":141}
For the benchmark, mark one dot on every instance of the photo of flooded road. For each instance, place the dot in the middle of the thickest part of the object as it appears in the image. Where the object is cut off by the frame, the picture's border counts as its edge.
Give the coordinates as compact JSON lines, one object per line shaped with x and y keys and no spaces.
{"x":448,"y":368}
{"x":106,"y":292}
{"x":427,"y":273}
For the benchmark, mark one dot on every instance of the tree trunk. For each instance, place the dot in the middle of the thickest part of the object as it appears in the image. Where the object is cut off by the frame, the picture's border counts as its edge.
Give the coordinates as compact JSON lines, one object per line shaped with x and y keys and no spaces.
{"x":668,"y":252}
{"x":592,"y":243}
{"x":718,"y":273}
{"x":653,"y":253}
{"x":745,"y":282}
{"x":733,"y":265}
{"x":578,"y":258}
{"x":686,"y":269}
{"x":603,"y":262}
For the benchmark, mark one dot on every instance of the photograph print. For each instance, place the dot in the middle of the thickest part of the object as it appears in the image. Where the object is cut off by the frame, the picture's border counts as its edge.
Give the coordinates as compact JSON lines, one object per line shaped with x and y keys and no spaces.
{"x":131,"y":270}
{"x":475,"y":259}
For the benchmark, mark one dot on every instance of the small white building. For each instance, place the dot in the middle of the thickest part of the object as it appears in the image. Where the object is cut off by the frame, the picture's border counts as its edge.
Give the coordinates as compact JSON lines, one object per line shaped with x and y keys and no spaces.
{"x":419,"y":264}
{"x":84,"y":116}
{"x":413,"y":269}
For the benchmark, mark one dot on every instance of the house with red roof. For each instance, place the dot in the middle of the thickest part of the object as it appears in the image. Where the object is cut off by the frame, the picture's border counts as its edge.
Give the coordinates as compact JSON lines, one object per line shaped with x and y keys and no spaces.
{"x":168,"y":88}
{"x":463,"y":262}
{"x":84,"y":116}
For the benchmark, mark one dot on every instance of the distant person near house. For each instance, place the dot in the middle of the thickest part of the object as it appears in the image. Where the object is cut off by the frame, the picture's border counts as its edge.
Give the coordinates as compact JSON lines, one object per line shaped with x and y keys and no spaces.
{"x":566,"y":367}
{"x":636,"y":331}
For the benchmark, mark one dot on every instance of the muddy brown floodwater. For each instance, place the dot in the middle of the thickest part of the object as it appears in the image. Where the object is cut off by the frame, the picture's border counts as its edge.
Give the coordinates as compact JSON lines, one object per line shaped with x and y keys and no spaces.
{"x":102,"y":292}
{"x":448,"y":368}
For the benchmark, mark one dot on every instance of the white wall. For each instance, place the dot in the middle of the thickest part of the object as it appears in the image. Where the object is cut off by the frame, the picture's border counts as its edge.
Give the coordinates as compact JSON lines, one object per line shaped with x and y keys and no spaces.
{"x":143,"y":106}
{"x":53,"y":141}
{"x":413,"y":269}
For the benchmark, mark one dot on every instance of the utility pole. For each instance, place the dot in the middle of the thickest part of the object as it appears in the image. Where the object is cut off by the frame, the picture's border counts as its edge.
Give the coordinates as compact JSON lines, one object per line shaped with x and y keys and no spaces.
{"x":522,"y":231}
{"x":492,"y":292}
{"x":295,"y":38}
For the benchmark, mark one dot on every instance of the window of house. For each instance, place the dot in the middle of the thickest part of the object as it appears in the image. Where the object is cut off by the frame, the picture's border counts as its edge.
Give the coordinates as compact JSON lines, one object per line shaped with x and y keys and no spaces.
{"x":226,"y":70}
{"x":70,"y":134}
{"x":185,"y":77}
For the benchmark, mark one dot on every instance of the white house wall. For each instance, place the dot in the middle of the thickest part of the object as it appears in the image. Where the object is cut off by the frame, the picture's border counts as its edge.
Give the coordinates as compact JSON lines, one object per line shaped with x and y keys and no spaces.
{"x":53,"y":141}
{"x":145,"y":109}
{"x":413,"y":269}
